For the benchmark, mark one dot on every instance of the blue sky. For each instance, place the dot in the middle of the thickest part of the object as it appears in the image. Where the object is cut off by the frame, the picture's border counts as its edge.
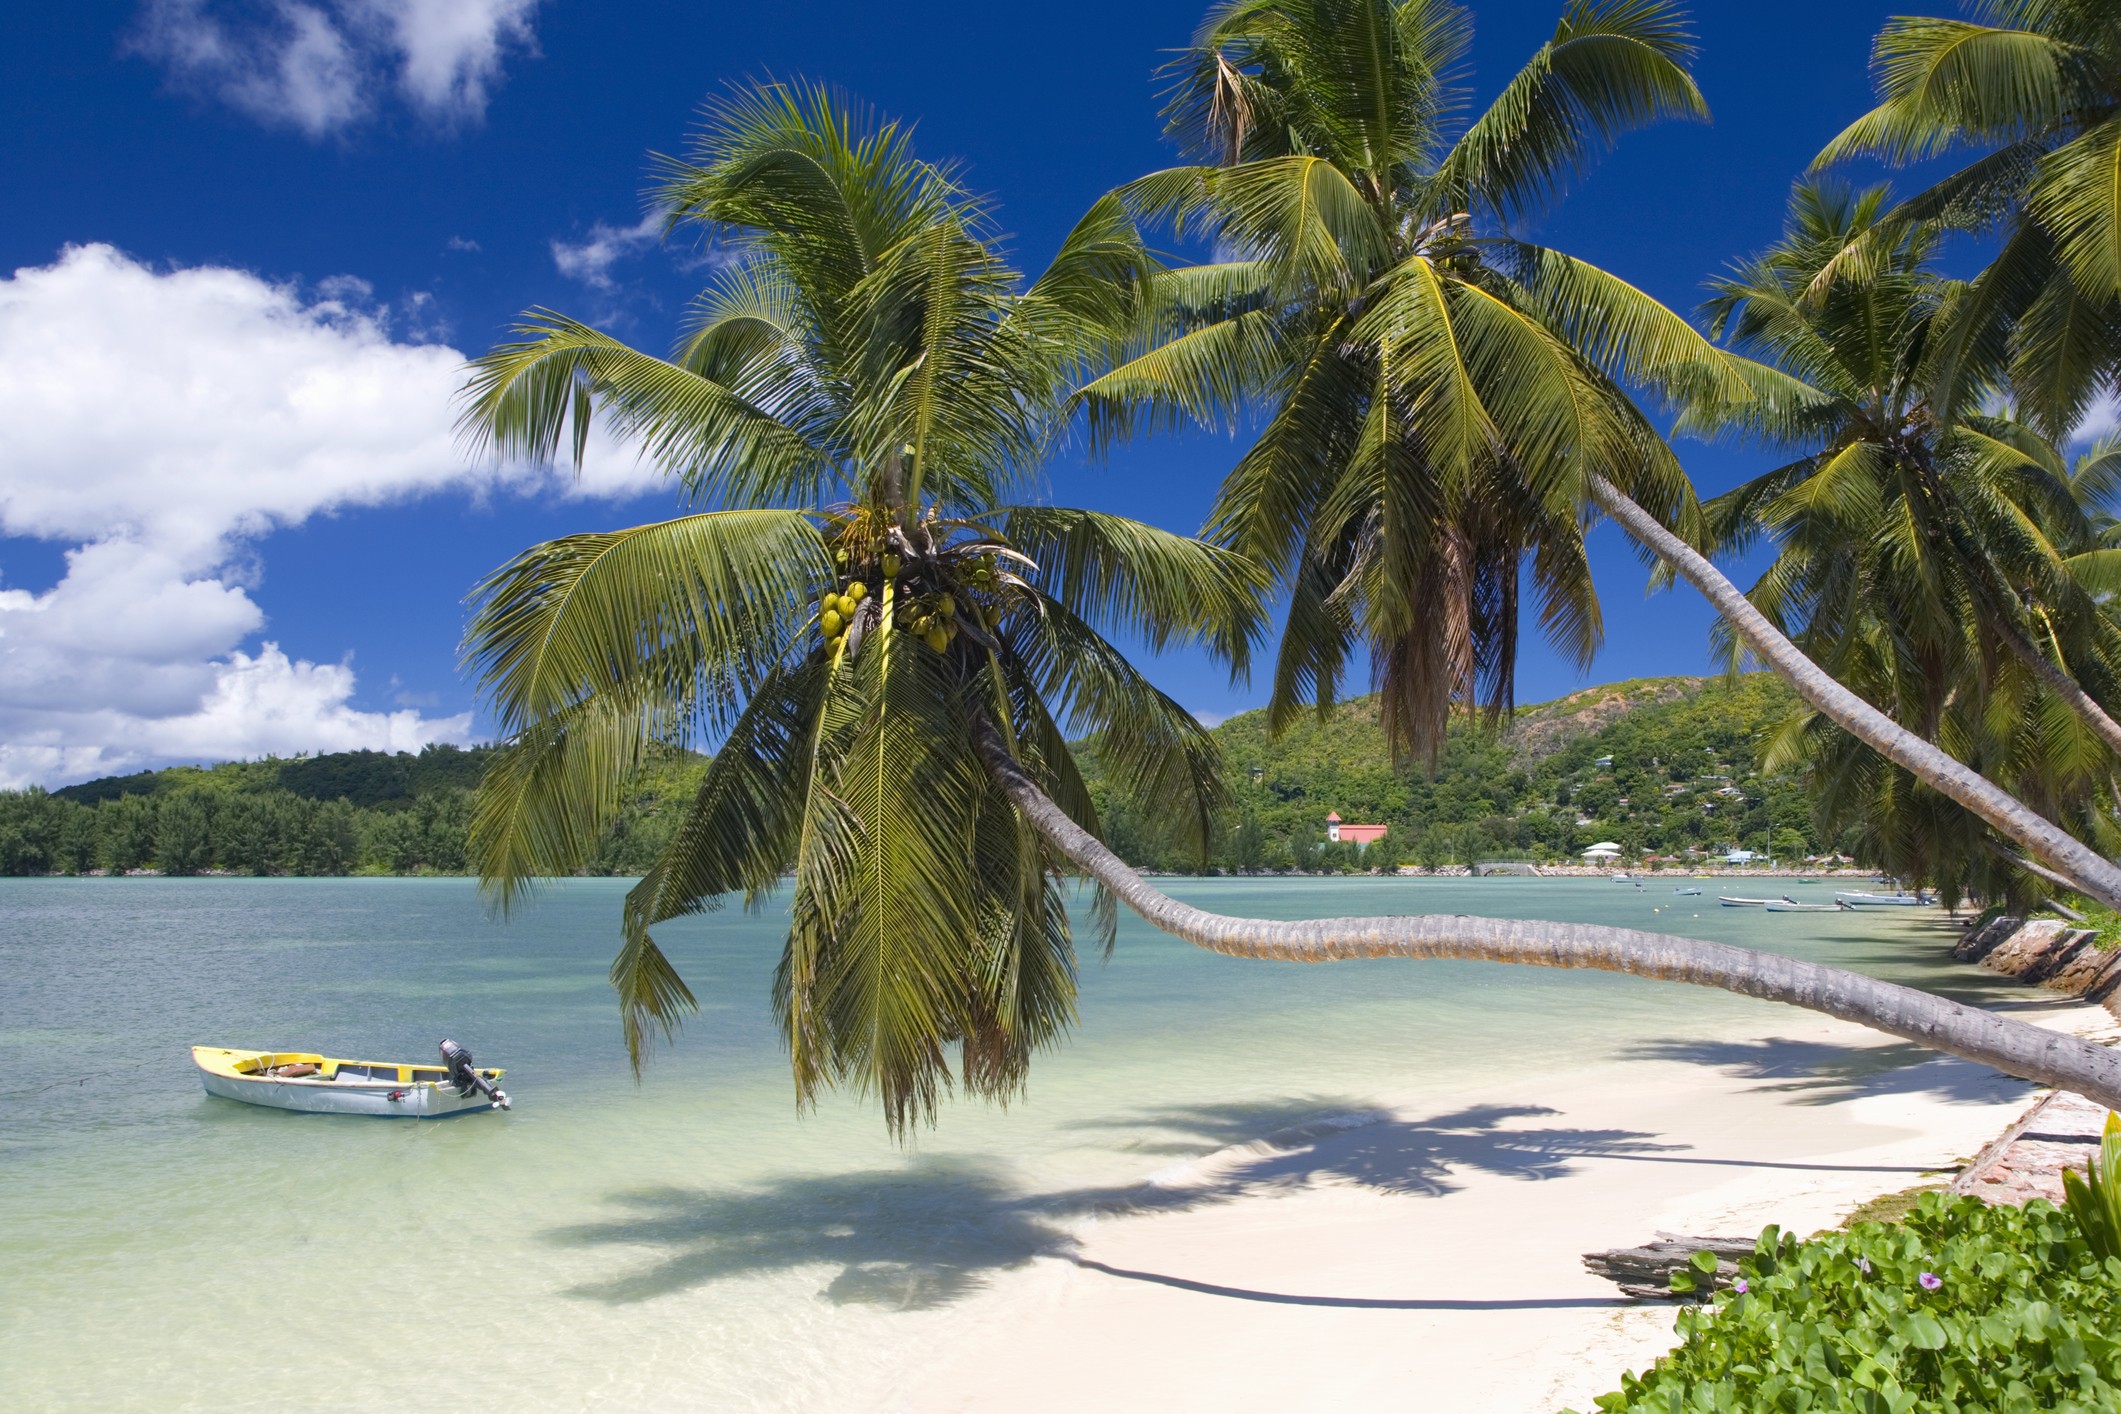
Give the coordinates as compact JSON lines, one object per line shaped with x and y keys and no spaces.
{"x":289,"y":221}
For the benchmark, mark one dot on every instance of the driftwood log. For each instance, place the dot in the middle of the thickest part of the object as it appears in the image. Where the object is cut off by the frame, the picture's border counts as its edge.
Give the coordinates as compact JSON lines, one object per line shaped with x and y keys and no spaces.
{"x":1646,"y":1272}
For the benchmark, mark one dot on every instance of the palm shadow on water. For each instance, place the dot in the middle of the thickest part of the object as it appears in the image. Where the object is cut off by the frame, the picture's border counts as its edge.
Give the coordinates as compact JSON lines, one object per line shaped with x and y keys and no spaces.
{"x":935,"y":1231}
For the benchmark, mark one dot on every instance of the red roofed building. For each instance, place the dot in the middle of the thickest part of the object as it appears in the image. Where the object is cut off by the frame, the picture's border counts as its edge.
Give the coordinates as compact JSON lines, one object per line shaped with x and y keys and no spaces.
{"x":1340,"y":833}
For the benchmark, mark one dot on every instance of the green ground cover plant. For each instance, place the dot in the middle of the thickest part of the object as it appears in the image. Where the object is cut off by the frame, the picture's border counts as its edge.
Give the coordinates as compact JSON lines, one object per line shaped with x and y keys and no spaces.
{"x":1956,"y":1308}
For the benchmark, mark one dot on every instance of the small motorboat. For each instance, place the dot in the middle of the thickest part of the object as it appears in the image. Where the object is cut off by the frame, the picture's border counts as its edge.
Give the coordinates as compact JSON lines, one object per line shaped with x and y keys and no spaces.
{"x":314,"y":1084}
{"x":1744,"y":902}
{"x":1863,"y":900}
{"x":1790,"y":905}
{"x":1682,"y":893}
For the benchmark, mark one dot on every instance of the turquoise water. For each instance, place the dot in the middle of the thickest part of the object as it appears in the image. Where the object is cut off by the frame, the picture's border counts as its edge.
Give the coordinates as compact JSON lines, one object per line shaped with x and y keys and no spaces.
{"x":690,"y":1242}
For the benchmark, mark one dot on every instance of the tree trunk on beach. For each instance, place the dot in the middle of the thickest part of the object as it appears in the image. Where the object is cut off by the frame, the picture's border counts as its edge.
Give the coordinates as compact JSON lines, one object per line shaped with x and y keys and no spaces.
{"x":2013,"y":1047}
{"x":2085,"y":868}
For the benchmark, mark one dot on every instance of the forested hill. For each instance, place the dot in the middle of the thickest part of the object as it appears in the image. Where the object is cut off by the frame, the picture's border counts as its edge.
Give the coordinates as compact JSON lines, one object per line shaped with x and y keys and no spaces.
{"x":1681,"y":774}
{"x":368,"y":779}
{"x":349,"y":812}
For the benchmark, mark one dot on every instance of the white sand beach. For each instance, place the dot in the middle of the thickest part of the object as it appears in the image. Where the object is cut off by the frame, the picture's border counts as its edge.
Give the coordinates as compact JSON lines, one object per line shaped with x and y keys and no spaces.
{"x":1429,"y":1259}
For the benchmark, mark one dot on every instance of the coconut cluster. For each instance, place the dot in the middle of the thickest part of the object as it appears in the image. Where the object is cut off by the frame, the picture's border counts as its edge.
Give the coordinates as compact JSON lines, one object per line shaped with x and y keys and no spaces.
{"x":931,"y":603}
{"x":835,"y":611}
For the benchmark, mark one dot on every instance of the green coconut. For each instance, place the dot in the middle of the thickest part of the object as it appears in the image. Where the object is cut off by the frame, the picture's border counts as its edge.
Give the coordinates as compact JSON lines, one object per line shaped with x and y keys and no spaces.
{"x":935,"y":638}
{"x":831,"y":621}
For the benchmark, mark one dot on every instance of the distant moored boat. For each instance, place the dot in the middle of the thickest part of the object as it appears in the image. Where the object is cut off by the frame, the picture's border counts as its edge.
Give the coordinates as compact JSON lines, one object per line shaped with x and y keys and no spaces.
{"x":1883,"y":900}
{"x":1744,"y":902}
{"x":314,"y":1084}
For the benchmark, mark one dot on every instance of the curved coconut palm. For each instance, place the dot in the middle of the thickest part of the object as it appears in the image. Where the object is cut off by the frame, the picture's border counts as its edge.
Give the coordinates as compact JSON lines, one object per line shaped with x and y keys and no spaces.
{"x":862,"y":392}
{"x":1443,"y":401}
{"x":889,"y":658}
{"x":2033,"y":87}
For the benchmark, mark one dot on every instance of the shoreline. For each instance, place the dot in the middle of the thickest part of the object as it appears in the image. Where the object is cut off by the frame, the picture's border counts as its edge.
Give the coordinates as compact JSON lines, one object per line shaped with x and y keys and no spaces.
{"x":1419,"y":1246}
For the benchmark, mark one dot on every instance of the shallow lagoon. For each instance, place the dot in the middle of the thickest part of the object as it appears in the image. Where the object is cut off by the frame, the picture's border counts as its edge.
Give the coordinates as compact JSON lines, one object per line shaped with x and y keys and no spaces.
{"x":690,"y":1242}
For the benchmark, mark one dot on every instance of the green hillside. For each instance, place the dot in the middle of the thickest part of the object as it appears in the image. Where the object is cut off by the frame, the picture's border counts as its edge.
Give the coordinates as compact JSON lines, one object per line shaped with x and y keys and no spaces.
{"x":1534,"y":790}
{"x":349,"y":812}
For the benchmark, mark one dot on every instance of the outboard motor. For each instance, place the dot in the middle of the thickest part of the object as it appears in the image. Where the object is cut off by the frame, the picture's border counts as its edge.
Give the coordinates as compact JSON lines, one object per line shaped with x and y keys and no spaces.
{"x":466,"y":1076}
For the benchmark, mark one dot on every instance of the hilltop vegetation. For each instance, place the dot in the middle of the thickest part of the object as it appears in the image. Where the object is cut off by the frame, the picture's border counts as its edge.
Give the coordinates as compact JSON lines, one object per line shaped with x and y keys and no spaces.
{"x":1681,"y":775}
{"x":350,"y":812}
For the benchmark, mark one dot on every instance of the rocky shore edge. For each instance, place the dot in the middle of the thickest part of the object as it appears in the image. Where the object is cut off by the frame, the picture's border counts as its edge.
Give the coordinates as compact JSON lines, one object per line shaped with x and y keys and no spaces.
{"x":2046,"y":952}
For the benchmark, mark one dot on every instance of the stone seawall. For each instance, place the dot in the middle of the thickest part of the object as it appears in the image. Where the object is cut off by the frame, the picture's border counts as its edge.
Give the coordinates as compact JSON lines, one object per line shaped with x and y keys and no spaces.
{"x":2045,"y":952}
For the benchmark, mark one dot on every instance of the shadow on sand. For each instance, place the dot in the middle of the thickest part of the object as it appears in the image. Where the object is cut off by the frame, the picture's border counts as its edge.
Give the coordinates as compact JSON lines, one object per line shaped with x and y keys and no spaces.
{"x":934,"y":1231}
{"x":1822,"y":1073}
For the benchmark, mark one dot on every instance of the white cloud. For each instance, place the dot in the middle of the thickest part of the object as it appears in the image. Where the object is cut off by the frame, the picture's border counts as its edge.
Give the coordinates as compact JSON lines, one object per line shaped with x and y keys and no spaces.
{"x":2103,"y":417}
{"x":319,"y":67}
{"x":590,"y":260}
{"x":450,"y":51}
{"x":160,"y":423}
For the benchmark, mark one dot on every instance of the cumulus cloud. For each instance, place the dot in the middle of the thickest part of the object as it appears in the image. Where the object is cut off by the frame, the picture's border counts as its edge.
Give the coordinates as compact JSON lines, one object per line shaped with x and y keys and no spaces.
{"x":2102,"y":418}
{"x":321,"y":65}
{"x":590,"y":260}
{"x":161,"y":423}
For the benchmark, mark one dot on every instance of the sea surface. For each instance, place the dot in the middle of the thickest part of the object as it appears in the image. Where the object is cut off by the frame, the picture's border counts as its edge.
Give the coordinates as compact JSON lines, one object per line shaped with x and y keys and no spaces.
{"x":691,"y":1241}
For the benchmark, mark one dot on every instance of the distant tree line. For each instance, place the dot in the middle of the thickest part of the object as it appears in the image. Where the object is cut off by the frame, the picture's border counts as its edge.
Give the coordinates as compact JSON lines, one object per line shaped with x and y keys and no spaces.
{"x":362,"y":812}
{"x":1657,"y":766}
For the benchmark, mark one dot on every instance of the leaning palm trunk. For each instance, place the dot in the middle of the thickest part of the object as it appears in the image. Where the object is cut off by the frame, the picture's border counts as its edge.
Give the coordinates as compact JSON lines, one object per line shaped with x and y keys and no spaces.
{"x":2013,"y":1047}
{"x":2085,"y":868}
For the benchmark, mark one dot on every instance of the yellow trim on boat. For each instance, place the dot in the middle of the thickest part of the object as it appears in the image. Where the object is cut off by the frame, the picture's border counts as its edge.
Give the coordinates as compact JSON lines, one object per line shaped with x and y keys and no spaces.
{"x":253,"y":1065}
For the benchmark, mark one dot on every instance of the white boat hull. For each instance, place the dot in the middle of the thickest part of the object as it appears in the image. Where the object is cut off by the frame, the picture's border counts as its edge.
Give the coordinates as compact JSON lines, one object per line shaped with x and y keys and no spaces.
{"x":340,"y":1097}
{"x":1882,"y":900}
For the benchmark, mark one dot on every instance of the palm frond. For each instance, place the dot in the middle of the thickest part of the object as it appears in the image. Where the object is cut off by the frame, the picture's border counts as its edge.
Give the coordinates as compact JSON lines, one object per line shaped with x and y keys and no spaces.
{"x":1610,"y":67}
{"x":1948,"y":81}
{"x":523,"y":397}
{"x":1122,"y":574}
{"x":655,"y":609}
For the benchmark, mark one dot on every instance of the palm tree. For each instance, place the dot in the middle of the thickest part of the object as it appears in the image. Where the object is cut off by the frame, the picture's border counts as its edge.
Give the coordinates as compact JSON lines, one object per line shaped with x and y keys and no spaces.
{"x":861,"y":393}
{"x":2033,"y":87}
{"x":1909,"y":549}
{"x":1442,"y":400}
{"x":1435,"y":419}
{"x":890,"y":654}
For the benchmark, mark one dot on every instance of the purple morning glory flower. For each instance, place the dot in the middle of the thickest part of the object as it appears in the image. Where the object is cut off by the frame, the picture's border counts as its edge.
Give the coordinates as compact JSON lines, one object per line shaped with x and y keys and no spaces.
{"x":1740,"y":1287}
{"x":1930,"y":1281}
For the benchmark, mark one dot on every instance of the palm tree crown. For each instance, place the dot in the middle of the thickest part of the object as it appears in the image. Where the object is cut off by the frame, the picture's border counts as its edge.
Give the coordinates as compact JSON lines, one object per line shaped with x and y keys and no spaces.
{"x":865,"y":388}
{"x":2033,"y":87}
{"x":1437,"y":395}
{"x":1926,"y":564}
